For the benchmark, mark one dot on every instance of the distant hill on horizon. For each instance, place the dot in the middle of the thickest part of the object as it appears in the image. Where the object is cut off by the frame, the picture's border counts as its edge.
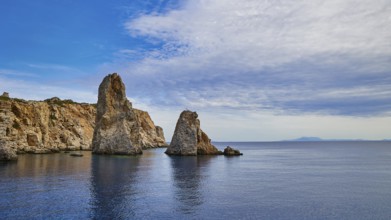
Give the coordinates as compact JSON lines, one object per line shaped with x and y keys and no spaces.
{"x":301,"y":139}
{"x":320,"y":139}
{"x":306,"y":139}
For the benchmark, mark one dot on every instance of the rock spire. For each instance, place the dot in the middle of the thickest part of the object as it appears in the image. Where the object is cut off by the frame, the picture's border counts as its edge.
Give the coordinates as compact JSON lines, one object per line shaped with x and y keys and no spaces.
{"x":116,"y":129}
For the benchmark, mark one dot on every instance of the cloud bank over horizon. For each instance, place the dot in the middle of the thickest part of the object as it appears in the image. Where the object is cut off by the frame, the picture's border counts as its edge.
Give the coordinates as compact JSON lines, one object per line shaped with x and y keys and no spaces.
{"x":299,"y":57}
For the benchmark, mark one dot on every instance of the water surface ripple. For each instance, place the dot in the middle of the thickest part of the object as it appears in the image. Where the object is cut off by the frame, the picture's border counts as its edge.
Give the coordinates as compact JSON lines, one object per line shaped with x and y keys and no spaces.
{"x":275,"y":180}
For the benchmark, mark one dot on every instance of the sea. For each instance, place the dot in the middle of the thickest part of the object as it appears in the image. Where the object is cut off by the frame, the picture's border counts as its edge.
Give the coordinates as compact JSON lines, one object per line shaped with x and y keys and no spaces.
{"x":272,"y":180}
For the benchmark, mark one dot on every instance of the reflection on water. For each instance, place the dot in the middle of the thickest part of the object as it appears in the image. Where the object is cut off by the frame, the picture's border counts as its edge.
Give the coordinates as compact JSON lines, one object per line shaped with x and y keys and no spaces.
{"x":188,"y":176}
{"x":44,"y":186}
{"x":336,"y":180}
{"x":45,"y":165}
{"x":113,"y":191}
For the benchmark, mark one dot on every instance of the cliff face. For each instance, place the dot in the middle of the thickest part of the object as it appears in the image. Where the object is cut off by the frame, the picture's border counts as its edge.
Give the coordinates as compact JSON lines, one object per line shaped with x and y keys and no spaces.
{"x":54,"y":124}
{"x":46,"y":126}
{"x":189,"y":139}
{"x":150,"y":135}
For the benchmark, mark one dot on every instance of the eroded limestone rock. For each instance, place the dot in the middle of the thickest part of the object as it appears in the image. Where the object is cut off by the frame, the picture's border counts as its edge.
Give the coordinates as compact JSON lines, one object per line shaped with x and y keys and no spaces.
{"x":6,"y":152}
{"x":151,"y":136}
{"x":46,"y":126}
{"x":56,"y":125}
{"x":32,"y":140}
{"x":189,"y":139}
{"x":116,"y":130}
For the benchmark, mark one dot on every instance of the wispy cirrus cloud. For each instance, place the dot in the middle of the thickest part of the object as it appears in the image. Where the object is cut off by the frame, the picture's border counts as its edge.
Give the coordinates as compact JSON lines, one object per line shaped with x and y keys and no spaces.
{"x":16,"y":73}
{"x":281,"y":55}
{"x":53,"y":67}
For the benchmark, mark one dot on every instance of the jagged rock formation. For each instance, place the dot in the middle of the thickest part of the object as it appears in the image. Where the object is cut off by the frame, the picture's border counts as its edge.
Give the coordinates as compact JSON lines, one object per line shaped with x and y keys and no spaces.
{"x":151,"y":136}
{"x":119,"y":128}
{"x":189,"y":139}
{"x":54,"y":124}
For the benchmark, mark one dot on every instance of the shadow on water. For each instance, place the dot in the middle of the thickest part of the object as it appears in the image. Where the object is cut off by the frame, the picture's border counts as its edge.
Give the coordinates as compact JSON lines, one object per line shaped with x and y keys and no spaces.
{"x":189,"y":176}
{"x":113,"y":188}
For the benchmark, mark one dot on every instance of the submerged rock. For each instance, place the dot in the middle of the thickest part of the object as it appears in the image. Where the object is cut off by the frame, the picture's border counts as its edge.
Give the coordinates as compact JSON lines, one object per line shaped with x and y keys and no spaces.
{"x":116,"y":130}
{"x":42,"y":151}
{"x":229,"y":151}
{"x":76,"y":154}
{"x":7,"y":153}
{"x":189,"y":139}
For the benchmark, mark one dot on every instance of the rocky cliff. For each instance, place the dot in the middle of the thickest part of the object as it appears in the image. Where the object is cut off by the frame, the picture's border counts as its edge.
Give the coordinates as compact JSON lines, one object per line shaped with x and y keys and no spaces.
{"x":46,"y":126}
{"x":189,"y":139}
{"x":151,"y":136}
{"x":54,"y":124}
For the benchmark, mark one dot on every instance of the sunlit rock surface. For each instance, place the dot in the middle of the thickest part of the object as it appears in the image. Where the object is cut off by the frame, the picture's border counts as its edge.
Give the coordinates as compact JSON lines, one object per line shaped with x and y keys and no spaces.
{"x":189,"y":139}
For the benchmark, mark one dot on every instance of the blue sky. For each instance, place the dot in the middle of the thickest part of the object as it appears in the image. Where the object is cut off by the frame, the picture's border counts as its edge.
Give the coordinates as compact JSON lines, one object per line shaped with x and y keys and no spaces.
{"x":253,"y":69}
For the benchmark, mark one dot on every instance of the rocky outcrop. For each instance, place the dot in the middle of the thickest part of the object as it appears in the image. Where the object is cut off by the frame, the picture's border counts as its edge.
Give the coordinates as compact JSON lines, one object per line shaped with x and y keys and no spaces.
{"x":7,"y":153}
{"x":5,"y":95}
{"x":229,"y":151}
{"x":117,"y":130}
{"x":54,"y":124}
{"x":76,"y":154}
{"x":189,"y":139}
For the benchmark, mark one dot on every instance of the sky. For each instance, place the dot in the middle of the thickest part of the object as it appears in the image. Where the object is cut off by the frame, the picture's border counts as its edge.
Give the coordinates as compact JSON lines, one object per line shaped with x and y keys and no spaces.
{"x":254,"y":70}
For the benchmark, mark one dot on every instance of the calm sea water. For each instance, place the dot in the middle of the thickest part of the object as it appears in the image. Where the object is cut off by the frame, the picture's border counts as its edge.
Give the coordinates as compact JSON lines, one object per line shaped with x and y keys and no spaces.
{"x":280,"y":180}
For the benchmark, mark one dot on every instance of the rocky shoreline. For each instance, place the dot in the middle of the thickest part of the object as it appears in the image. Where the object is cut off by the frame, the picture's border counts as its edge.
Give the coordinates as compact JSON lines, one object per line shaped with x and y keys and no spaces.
{"x":54,"y":125}
{"x":112,"y":126}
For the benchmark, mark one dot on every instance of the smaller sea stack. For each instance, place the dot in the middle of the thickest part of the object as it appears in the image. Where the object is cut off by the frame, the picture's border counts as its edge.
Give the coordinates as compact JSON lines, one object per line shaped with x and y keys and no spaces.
{"x":189,"y":139}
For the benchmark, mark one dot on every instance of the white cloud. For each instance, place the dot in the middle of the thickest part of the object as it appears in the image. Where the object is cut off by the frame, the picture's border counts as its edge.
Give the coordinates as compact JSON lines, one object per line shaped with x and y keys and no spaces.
{"x":17,"y":73}
{"x":261,"y":54}
{"x":268,"y":70}
{"x":254,"y":33}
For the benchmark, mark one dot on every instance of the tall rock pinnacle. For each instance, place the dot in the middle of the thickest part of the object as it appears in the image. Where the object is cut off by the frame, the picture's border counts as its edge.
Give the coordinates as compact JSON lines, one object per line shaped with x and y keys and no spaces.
{"x":189,"y":139}
{"x":116,"y":130}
